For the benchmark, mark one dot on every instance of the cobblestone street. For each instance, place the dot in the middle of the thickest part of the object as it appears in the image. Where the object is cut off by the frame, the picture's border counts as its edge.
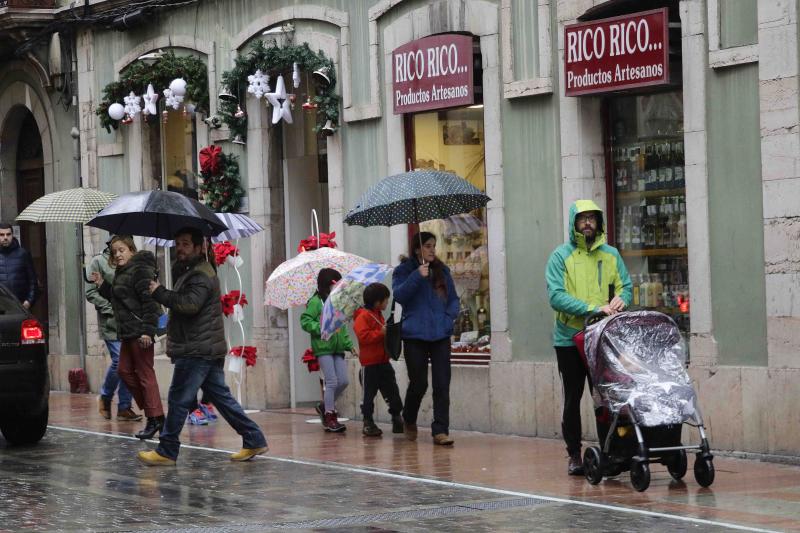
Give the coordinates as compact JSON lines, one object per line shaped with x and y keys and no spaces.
{"x":84,"y":477}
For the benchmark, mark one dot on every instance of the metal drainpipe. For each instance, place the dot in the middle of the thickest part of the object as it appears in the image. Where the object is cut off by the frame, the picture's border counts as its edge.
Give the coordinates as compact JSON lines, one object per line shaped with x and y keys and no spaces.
{"x":76,"y":162}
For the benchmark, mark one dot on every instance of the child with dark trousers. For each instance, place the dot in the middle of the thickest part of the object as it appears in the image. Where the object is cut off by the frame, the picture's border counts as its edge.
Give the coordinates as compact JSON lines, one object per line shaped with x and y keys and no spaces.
{"x":370,"y":329}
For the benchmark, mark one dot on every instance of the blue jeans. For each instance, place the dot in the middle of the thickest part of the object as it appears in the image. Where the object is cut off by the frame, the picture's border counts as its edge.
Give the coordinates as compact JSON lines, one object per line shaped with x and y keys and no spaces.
{"x":190,"y":375}
{"x":112,"y":381}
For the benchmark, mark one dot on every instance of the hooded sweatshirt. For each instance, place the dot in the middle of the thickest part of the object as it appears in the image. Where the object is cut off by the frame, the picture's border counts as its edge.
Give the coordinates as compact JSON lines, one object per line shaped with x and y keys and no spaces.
{"x":578,"y":276}
{"x":16,"y":272}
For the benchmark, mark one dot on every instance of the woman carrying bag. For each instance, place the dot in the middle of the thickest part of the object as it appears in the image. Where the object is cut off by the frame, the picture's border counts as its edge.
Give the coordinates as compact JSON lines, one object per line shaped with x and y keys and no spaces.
{"x":137,"y":322}
{"x":422,"y":284}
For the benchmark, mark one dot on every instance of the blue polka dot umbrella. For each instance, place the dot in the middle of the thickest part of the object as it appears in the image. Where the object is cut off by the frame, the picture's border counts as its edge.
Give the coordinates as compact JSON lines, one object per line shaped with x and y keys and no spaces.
{"x":414,"y":197}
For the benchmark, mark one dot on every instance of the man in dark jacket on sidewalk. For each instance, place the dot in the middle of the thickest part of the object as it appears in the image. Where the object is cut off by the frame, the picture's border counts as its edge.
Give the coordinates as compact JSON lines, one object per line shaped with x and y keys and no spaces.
{"x":196,"y":344}
{"x":16,"y":268}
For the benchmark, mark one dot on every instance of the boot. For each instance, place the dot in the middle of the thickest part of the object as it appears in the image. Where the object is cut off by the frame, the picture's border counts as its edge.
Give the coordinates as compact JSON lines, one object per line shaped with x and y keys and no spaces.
{"x":320,"y":409}
{"x":370,"y":429}
{"x":397,"y":424}
{"x":128,"y":415}
{"x":153,"y":426}
{"x":104,"y":407}
{"x":332,"y":425}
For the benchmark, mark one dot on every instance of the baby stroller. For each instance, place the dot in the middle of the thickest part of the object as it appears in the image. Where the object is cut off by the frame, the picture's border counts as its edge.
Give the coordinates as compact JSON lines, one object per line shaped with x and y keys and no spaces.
{"x":642,"y":396}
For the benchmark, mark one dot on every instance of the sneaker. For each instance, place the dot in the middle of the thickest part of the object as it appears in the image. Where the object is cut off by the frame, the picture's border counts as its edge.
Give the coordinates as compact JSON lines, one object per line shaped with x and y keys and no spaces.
{"x":443,"y":439}
{"x":104,"y":407}
{"x":198,"y":418}
{"x":397,"y":424}
{"x":575,"y":465}
{"x":370,"y":429}
{"x":332,"y":424}
{"x":245,"y":454}
{"x":153,"y":458}
{"x":208,"y":410}
{"x":128,"y":415}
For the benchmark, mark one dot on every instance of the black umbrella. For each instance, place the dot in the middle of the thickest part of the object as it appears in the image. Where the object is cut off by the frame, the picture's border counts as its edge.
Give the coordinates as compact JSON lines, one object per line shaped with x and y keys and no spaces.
{"x":158,"y":214}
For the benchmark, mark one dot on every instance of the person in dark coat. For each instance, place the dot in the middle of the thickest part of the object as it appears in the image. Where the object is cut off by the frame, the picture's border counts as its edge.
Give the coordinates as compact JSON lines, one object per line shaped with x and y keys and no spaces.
{"x":16,"y":268}
{"x":422,"y":284}
{"x":136,"y":315}
{"x":196,"y":345}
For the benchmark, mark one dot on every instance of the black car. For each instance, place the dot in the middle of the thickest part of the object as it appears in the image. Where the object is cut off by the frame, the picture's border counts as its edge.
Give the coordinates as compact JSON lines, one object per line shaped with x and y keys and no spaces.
{"x":24,"y":375}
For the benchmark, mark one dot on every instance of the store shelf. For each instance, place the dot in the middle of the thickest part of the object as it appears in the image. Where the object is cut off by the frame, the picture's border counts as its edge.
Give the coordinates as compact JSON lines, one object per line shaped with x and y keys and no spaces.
{"x":638,"y":195}
{"x":654,"y":252}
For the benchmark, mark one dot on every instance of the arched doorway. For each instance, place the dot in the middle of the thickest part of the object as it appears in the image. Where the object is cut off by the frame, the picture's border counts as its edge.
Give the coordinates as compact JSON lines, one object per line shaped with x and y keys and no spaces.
{"x":30,"y":186}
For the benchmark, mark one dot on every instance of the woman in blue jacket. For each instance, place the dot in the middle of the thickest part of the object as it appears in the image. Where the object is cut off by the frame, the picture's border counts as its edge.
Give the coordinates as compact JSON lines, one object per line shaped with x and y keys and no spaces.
{"x":422,"y":284}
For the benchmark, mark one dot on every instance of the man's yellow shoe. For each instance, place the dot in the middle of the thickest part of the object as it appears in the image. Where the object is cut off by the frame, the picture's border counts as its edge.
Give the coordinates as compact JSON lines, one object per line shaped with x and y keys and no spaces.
{"x":245,"y":454}
{"x":153,"y":458}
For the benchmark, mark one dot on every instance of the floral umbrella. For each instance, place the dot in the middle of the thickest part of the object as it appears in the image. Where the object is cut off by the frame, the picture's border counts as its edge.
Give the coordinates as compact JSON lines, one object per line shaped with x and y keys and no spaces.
{"x":294,"y":281}
{"x":348,"y":295}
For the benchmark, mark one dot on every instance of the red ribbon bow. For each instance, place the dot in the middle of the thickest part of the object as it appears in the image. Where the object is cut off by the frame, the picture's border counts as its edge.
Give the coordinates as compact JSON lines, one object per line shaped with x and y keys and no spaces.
{"x":224,"y":249}
{"x":210,"y":160}
{"x":311,"y":361}
{"x":231,"y":299}
{"x":310,"y":242}
{"x":248,"y":352}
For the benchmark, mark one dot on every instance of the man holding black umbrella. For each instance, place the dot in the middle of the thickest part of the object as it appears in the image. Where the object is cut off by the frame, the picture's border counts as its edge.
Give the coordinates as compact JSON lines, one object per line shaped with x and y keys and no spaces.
{"x":196,"y":345}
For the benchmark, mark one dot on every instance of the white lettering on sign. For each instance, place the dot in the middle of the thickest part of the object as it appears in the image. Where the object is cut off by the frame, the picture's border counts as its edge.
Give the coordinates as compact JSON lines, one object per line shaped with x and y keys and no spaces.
{"x":441,"y":61}
{"x":625,"y":38}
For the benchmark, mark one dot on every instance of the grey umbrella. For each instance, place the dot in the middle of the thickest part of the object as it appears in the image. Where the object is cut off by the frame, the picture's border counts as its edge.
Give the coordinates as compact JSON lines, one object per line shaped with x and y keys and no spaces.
{"x":158,"y":214}
{"x":414,"y":197}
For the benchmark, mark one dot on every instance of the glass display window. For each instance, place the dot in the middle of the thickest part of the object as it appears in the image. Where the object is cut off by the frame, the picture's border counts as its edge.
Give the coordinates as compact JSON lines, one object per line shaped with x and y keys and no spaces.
{"x":646,"y":173}
{"x":453,"y":141}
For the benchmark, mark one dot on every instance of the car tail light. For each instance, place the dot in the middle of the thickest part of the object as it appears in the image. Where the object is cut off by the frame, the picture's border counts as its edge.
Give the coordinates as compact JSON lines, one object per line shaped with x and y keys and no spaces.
{"x":32,"y":332}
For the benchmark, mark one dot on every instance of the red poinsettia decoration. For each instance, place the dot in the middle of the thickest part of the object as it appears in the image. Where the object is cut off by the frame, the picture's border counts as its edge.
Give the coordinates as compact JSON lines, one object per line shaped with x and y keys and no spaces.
{"x":224,"y":249}
{"x":310,"y":360}
{"x":210,"y":160}
{"x":248,"y":352}
{"x":310,"y":242}
{"x":231,"y":299}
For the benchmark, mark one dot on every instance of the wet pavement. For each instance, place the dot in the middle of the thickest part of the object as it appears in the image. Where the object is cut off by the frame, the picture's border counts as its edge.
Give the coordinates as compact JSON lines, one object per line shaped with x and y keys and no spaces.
{"x":84,"y":477}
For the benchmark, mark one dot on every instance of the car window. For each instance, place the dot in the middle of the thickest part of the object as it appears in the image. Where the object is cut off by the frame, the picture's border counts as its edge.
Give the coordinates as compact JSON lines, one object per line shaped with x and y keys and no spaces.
{"x":8,"y":303}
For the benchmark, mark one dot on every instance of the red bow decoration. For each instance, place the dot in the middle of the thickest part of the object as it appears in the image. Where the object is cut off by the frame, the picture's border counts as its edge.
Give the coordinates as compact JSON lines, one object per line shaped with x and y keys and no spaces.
{"x":309,"y":359}
{"x":310,"y":242}
{"x":231,"y":299}
{"x":248,"y":352}
{"x":210,"y":159}
{"x":224,"y":249}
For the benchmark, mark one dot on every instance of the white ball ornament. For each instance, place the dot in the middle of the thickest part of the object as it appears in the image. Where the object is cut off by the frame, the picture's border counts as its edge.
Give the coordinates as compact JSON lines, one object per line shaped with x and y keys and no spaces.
{"x":178,"y":87}
{"x":116,"y":111}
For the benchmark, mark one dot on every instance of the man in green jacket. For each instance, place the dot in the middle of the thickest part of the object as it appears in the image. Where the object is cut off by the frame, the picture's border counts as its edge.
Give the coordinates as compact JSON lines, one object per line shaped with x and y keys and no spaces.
{"x":584,"y":275}
{"x":107,"y":327}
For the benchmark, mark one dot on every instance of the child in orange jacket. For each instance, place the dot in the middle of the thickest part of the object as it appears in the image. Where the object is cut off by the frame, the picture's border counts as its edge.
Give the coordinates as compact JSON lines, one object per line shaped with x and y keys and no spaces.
{"x":370,"y":328}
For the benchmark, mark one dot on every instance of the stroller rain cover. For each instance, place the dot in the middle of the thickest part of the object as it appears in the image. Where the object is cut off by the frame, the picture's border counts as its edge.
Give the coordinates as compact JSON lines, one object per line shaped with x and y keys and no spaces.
{"x":637,"y":359}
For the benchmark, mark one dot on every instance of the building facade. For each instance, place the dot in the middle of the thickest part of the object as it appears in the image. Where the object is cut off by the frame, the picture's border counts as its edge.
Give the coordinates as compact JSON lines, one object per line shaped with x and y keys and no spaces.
{"x":698,"y":171}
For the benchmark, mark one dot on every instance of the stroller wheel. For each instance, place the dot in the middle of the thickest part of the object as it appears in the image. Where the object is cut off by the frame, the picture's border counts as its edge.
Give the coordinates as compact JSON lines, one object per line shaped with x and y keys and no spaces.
{"x":640,"y":475}
{"x":703,"y":471}
{"x":593,"y":465}
{"x":678,"y":465}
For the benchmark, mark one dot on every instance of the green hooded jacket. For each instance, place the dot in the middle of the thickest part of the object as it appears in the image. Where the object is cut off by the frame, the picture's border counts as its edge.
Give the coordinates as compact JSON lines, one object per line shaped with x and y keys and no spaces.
{"x":340,"y":342}
{"x":106,"y":323}
{"x":578,"y":278}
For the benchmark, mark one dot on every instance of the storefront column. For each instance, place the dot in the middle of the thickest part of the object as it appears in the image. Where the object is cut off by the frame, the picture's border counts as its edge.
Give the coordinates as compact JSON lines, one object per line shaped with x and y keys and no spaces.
{"x":268,"y":382}
{"x":780,"y":171}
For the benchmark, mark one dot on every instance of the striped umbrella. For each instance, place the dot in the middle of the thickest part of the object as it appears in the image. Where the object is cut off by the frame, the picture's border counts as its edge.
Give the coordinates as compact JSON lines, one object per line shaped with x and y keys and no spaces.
{"x":78,"y":205}
{"x":414,"y":197}
{"x":239,"y":227}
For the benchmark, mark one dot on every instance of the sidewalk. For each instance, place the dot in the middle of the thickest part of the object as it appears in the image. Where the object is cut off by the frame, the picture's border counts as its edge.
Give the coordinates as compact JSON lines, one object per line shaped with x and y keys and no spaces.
{"x":750,"y":493}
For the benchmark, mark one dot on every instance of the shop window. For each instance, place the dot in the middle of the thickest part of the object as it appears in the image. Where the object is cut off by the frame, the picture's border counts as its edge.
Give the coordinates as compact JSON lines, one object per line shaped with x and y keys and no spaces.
{"x":170,"y":162}
{"x":453,"y":141}
{"x":648,"y":226}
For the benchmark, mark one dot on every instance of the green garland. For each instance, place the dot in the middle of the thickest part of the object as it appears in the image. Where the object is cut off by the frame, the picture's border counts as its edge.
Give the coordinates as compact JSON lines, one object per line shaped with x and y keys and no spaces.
{"x":138,"y":75}
{"x":223,"y":192}
{"x":274,"y":60}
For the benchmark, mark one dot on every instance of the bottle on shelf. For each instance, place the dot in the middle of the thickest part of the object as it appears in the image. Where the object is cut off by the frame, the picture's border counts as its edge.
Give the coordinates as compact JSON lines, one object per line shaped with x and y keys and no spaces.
{"x":636,"y":229}
{"x":658,"y":291}
{"x":661,"y":167}
{"x":678,"y":164}
{"x":644,"y":290}
{"x":681,"y":239}
{"x":482,"y":317}
{"x":669,"y":164}
{"x":650,"y":228}
{"x":649,"y":168}
{"x":636,"y":280}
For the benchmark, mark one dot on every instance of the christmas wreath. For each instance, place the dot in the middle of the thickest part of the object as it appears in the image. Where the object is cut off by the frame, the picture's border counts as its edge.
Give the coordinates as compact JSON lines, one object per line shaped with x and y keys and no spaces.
{"x":221,"y":189}
{"x":274,"y":60}
{"x":136,"y":77}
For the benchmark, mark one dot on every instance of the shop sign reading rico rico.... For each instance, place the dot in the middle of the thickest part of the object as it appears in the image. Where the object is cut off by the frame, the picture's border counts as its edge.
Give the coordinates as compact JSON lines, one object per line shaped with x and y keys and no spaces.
{"x":616,"y":53}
